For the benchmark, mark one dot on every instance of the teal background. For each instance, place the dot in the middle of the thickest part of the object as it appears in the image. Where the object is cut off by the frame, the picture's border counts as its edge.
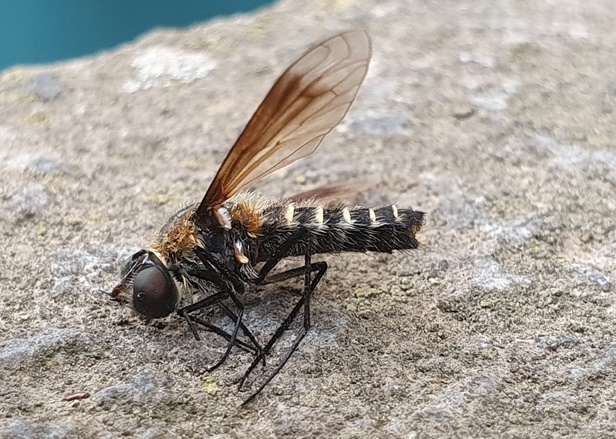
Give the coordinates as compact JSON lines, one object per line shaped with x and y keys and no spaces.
{"x":43,"y":31}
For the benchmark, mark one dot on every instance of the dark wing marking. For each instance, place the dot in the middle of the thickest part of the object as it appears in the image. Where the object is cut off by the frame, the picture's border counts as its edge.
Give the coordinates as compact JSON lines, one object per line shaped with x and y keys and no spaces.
{"x":309,"y":99}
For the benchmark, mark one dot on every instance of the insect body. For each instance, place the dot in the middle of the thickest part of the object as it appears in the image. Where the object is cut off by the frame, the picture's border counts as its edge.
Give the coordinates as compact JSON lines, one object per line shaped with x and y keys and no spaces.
{"x":234,"y":238}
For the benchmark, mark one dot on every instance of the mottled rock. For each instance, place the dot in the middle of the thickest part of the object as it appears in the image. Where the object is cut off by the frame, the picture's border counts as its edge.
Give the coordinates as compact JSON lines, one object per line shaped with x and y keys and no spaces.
{"x":45,"y":86}
{"x":495,"y":118}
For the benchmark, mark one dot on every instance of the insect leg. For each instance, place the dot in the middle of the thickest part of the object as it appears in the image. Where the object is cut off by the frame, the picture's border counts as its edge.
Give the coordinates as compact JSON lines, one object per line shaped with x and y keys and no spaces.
{"x":263,"y":279}
{"x":216,"y":299}
{"x":255,"y":344}
{"x":215,"y":329}
{"x":210,"y":300}
{"x":305,"y":300}
{"x":201,"y":304}
{"x":320,"y":267}
{"x":294,"y":272}
{"x":226,"y":277}
{"x":281,"y":252}
{"x":309,"y":287}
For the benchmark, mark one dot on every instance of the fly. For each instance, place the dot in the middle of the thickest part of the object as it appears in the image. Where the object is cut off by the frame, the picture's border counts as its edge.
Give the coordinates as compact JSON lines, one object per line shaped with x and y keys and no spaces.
{"x":233,"y":238}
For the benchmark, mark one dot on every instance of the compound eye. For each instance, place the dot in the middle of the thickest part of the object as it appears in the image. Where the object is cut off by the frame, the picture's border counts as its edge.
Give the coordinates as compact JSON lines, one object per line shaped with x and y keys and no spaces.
{"x":154,"y":293}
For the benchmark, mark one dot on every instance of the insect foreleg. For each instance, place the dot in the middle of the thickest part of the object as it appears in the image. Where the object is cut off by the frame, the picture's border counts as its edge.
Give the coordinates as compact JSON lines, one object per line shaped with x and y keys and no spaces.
{"x":215,"y":329}
{"x":233,"y":285}
{"x":212,"y":275}
{"x":201,"y":304}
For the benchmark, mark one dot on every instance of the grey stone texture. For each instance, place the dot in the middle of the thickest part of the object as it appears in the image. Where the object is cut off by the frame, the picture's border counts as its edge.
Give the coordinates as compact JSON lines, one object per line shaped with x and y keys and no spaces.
{"x":494,"y":117}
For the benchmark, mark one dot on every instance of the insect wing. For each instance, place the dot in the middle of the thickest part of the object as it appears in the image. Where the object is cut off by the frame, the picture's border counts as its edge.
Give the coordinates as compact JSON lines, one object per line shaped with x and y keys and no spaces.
{"x":308,"y":100}
{"x":333,"y":193}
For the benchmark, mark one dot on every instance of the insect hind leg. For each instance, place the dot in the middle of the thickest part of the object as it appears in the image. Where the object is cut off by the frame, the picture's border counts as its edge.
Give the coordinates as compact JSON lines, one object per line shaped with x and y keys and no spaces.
{"x":309,"y":286}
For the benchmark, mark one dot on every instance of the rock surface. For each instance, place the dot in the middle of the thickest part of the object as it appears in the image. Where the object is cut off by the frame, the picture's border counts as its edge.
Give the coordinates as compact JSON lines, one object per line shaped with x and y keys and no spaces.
{"x":497,"y":118}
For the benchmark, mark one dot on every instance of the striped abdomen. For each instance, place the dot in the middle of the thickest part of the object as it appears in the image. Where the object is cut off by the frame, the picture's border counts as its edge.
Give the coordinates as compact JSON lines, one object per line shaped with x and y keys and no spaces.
{"x":340,"y":229}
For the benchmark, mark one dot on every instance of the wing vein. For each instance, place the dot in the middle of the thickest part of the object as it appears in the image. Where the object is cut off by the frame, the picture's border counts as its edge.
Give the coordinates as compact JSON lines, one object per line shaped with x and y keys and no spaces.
{"x":308,"y":100}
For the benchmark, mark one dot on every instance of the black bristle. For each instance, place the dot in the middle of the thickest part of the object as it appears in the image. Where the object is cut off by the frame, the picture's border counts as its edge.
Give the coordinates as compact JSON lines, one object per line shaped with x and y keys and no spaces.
{"x":391,"y":229}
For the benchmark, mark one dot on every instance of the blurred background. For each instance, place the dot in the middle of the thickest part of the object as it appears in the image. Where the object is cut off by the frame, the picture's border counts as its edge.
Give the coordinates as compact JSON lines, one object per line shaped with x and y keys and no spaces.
{"x":41,"y":31}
